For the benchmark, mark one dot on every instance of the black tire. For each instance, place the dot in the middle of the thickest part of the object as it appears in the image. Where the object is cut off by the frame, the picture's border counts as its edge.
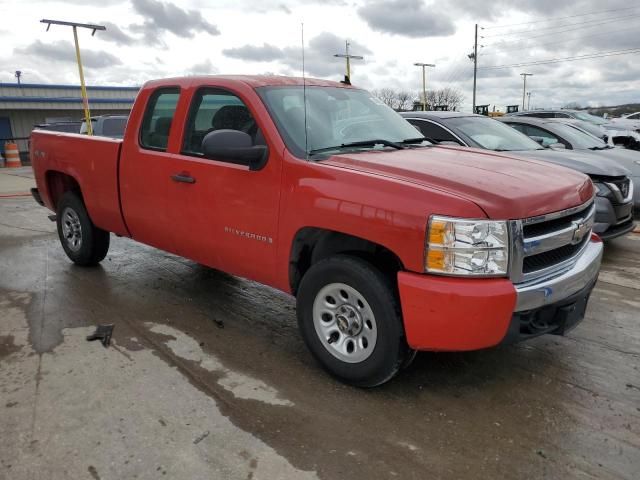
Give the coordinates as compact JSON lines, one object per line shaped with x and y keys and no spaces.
{"x":93,"y":243}
{"x":390,"y":350}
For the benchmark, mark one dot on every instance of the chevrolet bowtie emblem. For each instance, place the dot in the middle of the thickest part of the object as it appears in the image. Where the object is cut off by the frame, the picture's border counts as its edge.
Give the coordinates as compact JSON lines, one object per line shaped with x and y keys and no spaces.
{"x":579,"y":232}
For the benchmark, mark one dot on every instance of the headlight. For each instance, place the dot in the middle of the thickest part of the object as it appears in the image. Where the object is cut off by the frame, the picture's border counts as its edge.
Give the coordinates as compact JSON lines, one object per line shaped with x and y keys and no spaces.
{"x":467,"y":247}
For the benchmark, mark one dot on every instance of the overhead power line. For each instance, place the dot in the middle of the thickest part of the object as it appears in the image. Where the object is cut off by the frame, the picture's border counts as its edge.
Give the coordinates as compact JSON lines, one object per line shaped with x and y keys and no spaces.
{"x":560,"y":18}
{"x":566,"y":59}
{"x":578,"y":25}
{"x":555,"y":42}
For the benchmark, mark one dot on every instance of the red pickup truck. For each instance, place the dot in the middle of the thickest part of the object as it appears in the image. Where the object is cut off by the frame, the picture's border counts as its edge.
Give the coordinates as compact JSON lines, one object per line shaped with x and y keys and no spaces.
{"x":390,"y":244}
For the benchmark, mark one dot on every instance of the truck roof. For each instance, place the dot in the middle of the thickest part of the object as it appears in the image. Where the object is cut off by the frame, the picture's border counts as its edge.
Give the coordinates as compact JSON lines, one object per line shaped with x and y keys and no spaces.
{"x":253,"y":81}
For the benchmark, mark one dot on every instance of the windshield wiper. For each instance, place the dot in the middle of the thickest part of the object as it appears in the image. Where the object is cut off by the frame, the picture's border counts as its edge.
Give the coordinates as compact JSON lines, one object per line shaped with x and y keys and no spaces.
{"x":598,"y":148}
{"x":362,"y":143}
{"x":416,"y":140}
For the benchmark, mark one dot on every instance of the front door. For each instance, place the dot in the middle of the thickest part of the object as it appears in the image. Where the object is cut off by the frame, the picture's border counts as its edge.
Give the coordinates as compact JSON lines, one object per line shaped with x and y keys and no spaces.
{"x":225,"y":215}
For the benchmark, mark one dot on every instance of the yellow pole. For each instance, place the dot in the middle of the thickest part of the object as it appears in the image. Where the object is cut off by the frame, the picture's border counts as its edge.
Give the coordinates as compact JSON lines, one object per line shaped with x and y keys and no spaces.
{"x":83,"y":89}
{"x":424,"y":89}
{"x":348,"y":62}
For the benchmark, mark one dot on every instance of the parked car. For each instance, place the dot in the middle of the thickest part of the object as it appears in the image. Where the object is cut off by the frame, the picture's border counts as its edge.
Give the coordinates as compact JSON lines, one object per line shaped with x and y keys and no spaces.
{"x":390,"y":245}
{"x":614,"y":215}
{"x":554,"y":131}
{"x":620,"y":134}
{"x":106,"y":125}
{"x":69,"y":127}
{"x":630,"y":121}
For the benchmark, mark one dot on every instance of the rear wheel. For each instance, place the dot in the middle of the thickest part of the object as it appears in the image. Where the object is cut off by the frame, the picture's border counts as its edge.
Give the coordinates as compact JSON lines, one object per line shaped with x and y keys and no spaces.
{"x":349,"y":317}
{"x":83,"y":242}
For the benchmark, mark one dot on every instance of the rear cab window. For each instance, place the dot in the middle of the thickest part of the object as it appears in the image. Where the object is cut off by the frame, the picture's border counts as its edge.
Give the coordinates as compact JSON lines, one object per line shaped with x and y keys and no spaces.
{"x":158,"y":117}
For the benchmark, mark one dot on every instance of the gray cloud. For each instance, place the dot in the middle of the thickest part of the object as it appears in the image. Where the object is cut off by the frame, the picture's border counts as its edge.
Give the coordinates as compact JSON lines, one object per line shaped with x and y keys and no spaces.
{"x":163,"y":17}
{"x":409,"y":18}
{"x":264,"y":53}
{"x":203,"y":68}
{"x":64,"y":51}
{"x":113,"y":33}
{"x":319,"y":51}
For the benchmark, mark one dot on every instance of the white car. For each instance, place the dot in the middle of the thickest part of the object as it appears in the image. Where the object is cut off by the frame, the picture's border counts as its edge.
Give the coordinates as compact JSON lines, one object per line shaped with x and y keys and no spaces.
{"x":630,"y":121}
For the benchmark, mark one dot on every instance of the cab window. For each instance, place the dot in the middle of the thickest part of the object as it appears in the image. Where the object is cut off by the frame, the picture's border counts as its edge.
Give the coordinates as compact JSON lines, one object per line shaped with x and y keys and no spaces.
{"x":214,"y":109}
{"x":433,"y":132}
{"x":156,"y":124}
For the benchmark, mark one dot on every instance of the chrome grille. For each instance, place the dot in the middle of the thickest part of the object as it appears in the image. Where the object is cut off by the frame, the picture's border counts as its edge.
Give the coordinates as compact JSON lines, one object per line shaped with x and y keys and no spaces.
{"x":550,"y":244}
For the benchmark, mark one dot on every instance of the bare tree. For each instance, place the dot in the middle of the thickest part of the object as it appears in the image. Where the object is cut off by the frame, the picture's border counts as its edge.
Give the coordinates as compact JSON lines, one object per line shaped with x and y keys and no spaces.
{"x":386,"y":96}
{"x":404,"y":100}
{"x":449,"y":97}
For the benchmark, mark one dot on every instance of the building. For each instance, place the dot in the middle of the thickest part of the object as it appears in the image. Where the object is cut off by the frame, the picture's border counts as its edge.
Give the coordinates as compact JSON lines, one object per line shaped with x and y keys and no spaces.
{"x":24,"y":105}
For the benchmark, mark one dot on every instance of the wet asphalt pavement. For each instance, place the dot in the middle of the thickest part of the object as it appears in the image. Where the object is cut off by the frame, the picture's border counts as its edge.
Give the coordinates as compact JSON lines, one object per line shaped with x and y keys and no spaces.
{"x":207,"y":377}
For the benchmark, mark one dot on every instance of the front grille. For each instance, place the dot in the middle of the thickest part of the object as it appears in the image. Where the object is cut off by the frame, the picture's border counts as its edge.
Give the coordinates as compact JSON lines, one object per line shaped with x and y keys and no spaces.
{"x":550,"y":243}
{"x":552,"y":257}
{"x":542,"y":228}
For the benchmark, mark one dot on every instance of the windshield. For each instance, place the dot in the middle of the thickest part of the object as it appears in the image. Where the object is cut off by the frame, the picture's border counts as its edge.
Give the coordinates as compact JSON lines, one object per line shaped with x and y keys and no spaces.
{"x":334,"y":116}
{"x":577,"y":138}
{"x":492,"y":134}
{"x":587,"y":117}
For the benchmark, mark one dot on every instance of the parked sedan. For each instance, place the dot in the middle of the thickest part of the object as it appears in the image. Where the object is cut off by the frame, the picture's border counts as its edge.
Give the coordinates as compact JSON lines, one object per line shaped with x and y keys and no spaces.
{"x":620,"y":134}
{"x":549,"y":132}
{"x":614,"y":215}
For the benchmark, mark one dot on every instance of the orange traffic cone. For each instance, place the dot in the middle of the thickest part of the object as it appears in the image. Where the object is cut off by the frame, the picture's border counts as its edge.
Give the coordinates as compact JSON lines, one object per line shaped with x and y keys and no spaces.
{"x":12,"y":155}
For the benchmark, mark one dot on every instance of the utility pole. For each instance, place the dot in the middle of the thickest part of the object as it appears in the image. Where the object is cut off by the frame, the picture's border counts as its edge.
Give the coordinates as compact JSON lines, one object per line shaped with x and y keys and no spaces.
{"x":348,"y":58}
{"x":424,"y":83}
{"x":528,"y":100}
{"x":475,"y":68}
{"x":524,"y":86}
{"x":83,"y":88}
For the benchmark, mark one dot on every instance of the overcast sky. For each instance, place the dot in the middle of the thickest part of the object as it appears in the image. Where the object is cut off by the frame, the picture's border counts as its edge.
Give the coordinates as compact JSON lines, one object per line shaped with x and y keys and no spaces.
{"x":148,"y":39}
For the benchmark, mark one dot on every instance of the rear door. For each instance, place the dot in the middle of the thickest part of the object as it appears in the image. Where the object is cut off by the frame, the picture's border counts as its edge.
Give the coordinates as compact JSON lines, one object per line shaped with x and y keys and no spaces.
{"x":224,"y":215}
{"x":145,"y":168}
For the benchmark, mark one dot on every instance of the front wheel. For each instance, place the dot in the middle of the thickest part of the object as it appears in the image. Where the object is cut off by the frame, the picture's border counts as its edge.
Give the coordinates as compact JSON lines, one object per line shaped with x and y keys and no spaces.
{"x":83,"y":242}
{"x":349,"y":317}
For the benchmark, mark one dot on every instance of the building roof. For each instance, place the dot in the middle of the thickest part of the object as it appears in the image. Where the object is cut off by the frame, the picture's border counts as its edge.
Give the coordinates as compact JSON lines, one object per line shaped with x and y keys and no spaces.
{"x":67,"y":87}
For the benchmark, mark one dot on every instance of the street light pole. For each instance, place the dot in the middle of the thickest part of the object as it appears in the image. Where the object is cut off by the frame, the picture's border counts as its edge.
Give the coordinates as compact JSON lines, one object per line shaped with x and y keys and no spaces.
{"x":424,"y":82}
{"x":524,"y":86}
{"x":83,"y":88}
{"x":347,"y":56}
{"x":475,"y":67}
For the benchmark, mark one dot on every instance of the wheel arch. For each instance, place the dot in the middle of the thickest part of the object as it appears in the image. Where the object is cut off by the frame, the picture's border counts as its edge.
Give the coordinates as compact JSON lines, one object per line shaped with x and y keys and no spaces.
{"x":312,"y":244}
{"x":59,"y":183}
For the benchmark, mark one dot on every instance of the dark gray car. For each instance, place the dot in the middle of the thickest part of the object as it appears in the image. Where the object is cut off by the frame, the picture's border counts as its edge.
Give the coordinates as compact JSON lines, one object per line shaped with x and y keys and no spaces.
{"x":551,"y":132}
{"x":614,"y":202}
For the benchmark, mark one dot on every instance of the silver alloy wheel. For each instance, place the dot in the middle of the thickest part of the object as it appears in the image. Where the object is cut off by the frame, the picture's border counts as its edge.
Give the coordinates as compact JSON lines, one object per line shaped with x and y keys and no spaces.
{"x":71,"y":229}
{"x":345,"y":323}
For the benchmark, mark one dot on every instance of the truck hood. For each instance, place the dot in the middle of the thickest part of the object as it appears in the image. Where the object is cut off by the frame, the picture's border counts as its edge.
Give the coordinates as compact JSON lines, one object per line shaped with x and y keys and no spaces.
{"x":504,"y":187}
{"x":592,"y":163}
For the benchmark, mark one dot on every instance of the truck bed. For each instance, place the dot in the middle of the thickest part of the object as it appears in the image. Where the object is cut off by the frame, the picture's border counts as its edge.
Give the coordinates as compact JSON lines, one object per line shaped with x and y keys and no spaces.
{"x":91,"y":162}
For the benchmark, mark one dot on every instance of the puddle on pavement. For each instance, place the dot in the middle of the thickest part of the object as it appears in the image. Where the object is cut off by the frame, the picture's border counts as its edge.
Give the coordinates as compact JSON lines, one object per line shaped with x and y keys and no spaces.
{"x":240,"y":385}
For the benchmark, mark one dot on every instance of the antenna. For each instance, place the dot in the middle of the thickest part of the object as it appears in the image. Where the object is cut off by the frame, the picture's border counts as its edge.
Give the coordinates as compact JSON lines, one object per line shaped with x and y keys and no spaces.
{"x":304,"y":98}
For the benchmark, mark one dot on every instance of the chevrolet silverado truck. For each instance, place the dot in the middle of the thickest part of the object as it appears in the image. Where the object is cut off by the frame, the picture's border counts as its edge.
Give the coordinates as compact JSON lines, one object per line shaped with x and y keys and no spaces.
{"x":390,"y":245}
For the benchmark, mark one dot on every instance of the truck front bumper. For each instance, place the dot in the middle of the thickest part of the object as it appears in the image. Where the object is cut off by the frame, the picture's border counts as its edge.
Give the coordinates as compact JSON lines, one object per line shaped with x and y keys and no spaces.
{"x":456,"y":314}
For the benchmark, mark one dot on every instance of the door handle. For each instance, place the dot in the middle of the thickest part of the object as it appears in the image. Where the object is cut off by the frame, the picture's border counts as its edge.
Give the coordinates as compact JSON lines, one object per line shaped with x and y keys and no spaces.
{"x":183,"y":178}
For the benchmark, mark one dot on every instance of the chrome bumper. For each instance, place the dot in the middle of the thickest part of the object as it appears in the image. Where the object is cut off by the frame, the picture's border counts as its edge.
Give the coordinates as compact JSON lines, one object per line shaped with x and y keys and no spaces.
{"x":546,"y":292}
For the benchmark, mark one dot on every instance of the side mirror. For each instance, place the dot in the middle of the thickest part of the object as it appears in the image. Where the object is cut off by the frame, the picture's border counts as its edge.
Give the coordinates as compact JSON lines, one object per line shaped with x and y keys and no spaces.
{"x":539,"y":140}
{"x":234,"y":146}
{"x":557,"y":146}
